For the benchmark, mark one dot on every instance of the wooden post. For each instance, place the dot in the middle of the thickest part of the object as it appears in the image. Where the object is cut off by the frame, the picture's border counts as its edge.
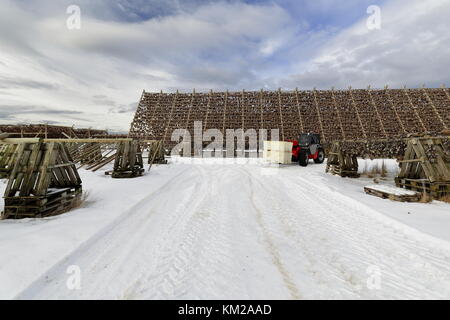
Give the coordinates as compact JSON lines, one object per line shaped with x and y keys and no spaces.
{"x":357,"y":112}
{"x":377,"y":112}
{"x":298,"y":110}
{"x":338,"y":113}
{"x":434,"y":108}
{"x":158,"y":102}
{"x":281,"y":113}
{"x":395,"y":109}
{"x":242,"y":110}
{"x":224,"y":113}
{"x":170,"y":117}
{"x":414,"y":108}
{"x":207,"y":109}
{"x":318,"y":116}
{"x":446,"y":91}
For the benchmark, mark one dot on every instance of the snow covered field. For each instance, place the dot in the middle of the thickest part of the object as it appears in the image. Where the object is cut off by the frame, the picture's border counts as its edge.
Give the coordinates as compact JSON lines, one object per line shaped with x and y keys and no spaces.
{"x":199,"y":229}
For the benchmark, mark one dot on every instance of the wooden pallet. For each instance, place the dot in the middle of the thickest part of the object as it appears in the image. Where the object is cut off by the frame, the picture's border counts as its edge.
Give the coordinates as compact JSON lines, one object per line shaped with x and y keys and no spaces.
{"x":43,"y":181}
{"x":128,"y":161}
{"x":396,"y":195}
{"x":341,"y":164}
{"x":156,"y":153}
{"x":87,"y":153}
{"x":436,"y":190}
{"x":55,"y":202}
{"x":425,"y":167}
{"x":6,"y":159}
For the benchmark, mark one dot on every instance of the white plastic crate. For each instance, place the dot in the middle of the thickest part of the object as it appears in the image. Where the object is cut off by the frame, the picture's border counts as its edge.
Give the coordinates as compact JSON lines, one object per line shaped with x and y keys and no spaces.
{"x":281,"y":146}
{"x":278,"y":151}
{"x":281,"y":157}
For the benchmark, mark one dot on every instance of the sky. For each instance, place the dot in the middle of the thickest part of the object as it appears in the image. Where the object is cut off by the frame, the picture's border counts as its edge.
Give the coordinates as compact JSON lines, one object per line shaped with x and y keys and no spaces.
{"x":94,"y":75}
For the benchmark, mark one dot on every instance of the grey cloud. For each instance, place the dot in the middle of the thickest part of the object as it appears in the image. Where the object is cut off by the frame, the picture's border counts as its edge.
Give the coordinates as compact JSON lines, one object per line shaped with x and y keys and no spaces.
{"x":129,"y":108}
{"x":412,"y":48}
{"x":103,"y":100}
{"x":221,"y":45}
{"x":118,"y":10}
{"x":13,"y":110}
{"x":214,"y":76}
{"x":9,"y":83}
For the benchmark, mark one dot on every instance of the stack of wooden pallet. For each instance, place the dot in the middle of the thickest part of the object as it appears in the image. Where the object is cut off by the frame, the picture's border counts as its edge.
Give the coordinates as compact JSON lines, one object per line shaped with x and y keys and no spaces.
{"x":43,"y":181}
{"x":426,"y":166}
{"x":156,"y":154}
{"x":340,"y":163}
{"x":128,"y":161}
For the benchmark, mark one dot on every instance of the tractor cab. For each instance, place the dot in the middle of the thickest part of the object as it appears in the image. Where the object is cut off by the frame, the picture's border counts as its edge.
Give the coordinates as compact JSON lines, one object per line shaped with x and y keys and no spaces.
{"x":307,"y":147}
{"x":307,"y":139}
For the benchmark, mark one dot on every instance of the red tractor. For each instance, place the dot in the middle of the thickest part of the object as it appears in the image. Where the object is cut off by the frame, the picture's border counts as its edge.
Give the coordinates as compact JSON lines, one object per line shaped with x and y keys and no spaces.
{"x":307,"y":147}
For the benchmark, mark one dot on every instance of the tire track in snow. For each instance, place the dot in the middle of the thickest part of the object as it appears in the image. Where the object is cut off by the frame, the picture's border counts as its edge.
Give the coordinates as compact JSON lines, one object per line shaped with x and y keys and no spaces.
{"x":424,"y":259}
{"x":100,"y":251}
{"x":296,"y":231}
{"x":195,"y":260}
{"x":329,"y":216}
{"x":183,"y":241}
{"x":176,"y":245}
{"x":270,"y":245}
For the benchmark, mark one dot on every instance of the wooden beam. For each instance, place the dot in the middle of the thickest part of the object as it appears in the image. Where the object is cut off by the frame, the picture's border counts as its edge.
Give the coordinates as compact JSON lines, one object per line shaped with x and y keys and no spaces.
{"x":376,"y":110}
{"x":298,"y":110}
{"x":434,"y":108}
{"x":386,"y":91}
{"x":35,"y":140}
{"x":357,"y":112}
{"x":415,"y":109}
{"x":338,"y":113}
{"x":319,"y":116}
{"x":281,"y":114}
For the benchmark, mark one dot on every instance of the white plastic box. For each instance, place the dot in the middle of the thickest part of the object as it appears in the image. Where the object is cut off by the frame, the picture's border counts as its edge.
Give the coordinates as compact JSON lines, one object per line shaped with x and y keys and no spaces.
{"x":277,"y":152}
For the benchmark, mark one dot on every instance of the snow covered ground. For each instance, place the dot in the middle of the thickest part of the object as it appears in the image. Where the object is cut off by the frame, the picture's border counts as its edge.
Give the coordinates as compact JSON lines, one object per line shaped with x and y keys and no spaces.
{"x":201,"y":228}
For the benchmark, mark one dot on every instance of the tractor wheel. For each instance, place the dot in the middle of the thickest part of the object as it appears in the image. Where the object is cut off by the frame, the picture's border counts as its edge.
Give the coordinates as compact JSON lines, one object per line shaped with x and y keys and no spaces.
{"x":303,"y":158}
{"x":294,"y":159}
{"x":321,"y":157}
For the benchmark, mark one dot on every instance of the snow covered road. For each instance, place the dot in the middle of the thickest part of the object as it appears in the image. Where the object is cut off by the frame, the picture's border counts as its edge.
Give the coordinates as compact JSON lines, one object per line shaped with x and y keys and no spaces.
{"x":242,"y":231}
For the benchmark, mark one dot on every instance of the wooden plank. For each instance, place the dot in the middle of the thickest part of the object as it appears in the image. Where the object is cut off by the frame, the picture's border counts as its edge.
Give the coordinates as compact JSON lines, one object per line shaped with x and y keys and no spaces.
{"x":392,"y":195}
{"x":28,"y":182}
{"x":73,"y":169}
{"x":12,"y":176}
{"x":125,"y":157}
{"x":405,"y":168}
{"x":132,"y":154}
{"x":103,"y":163}
{"x":67,"y":163}
{"x":43,"y":182}
{"x":35,"y":140}
{"x":426,"y":166}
